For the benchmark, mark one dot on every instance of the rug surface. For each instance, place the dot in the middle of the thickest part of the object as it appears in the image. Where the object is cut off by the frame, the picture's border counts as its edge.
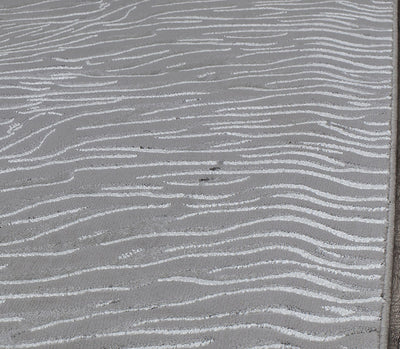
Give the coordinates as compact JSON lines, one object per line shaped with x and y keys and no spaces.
{"x":194,"y":174}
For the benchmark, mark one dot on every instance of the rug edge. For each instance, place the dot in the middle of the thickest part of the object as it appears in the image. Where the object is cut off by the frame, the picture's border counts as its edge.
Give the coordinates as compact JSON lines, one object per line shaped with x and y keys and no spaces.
{"x":387,"y":286}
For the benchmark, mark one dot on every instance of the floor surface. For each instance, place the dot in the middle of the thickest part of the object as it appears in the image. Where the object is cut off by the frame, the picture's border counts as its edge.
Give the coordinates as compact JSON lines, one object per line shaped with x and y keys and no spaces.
{"x":195,"y":174}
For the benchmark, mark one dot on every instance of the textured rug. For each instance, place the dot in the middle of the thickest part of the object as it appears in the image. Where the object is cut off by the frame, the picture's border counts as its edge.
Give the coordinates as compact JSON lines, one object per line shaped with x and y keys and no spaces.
{"x":195,"y":174}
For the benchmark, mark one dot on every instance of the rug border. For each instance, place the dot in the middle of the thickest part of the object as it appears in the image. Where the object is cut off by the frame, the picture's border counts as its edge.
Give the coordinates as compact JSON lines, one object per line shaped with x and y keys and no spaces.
{"x":387,"y":287}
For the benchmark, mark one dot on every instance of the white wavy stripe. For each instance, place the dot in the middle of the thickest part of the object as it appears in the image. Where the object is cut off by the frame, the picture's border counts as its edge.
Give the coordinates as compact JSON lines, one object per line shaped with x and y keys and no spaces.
{"x":305,"y":265}
{"x":281,"y":234}
{"x":280,"y":311}
{"x":317,"y":213}
{"x":347,"y":183}
{"x":80,"y":220}
{"x":290,"y":218}
{"x":300,"y":275}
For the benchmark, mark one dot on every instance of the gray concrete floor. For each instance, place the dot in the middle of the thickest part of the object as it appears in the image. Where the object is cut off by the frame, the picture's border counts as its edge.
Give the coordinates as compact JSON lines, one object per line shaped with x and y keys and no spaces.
{"x":394,"y":331}
{"x":394,"y":335}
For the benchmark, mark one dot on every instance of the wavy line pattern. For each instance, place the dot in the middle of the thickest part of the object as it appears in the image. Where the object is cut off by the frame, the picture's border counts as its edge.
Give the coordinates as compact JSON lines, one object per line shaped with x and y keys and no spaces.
{"x":193,"y":173}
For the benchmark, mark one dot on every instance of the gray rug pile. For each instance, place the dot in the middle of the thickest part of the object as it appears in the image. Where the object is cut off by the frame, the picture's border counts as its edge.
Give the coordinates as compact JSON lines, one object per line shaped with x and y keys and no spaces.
{"x":195,"y":174}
